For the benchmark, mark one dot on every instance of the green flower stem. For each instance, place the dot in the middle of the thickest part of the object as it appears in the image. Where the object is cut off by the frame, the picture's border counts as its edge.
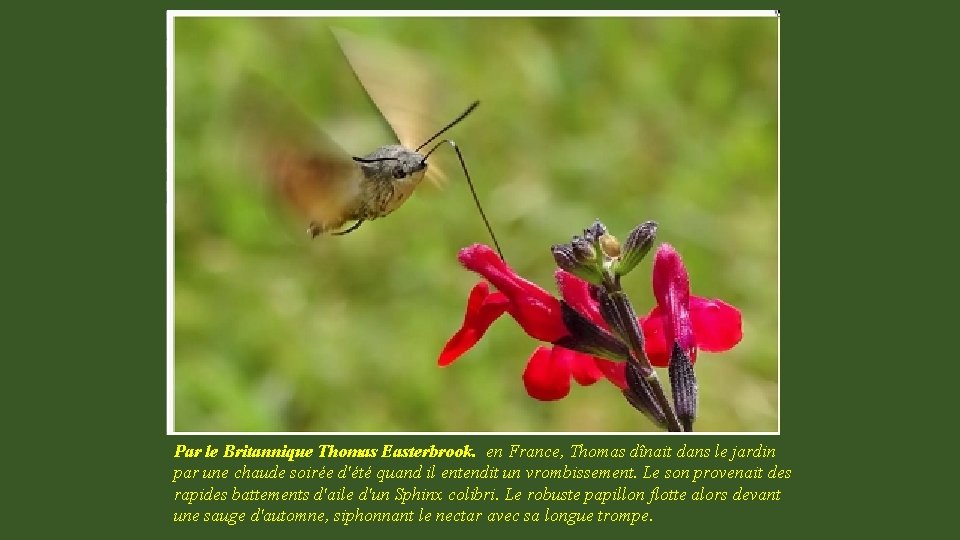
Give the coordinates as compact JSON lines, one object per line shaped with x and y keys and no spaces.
{"x":635,"y":337}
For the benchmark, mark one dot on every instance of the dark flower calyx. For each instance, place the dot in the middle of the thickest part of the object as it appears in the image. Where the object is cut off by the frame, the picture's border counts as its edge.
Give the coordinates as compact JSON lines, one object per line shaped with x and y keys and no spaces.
{"x":683,"y":382}
{"x":587,"y":337}
{"x":640,"y":394}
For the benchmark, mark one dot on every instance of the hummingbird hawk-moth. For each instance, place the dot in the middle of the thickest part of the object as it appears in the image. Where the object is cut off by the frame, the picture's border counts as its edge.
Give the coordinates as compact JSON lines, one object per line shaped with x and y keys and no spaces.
{"x":325,"y":185}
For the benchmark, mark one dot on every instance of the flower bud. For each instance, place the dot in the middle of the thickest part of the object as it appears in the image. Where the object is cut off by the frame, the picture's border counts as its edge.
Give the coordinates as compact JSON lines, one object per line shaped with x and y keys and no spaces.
{"x":636,"y":247}
{"x":566,"y":257}
{"x":563,"y":254}
{"x":610,"y":245}
{"x":583,"y":250}
{"x":595,"y":231}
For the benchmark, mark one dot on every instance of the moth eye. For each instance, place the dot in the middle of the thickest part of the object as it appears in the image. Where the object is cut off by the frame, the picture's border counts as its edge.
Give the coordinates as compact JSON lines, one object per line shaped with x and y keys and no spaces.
{"x":398,"y":173}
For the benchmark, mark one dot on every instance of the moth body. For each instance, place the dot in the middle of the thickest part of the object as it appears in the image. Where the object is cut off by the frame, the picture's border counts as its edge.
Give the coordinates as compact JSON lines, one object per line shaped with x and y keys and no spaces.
{"x":390,"y":174}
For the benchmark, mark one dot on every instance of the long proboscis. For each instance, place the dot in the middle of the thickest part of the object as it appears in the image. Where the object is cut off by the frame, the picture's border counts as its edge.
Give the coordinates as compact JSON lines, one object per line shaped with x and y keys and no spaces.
{"x":448,"y":126}
{"x":463,"y":165}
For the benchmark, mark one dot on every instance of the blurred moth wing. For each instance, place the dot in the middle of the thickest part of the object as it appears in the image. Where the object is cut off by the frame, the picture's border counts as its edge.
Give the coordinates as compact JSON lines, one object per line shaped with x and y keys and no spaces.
{"x":321,"y":182}
{"x":303,"y":167}
{"x":402,"y":84}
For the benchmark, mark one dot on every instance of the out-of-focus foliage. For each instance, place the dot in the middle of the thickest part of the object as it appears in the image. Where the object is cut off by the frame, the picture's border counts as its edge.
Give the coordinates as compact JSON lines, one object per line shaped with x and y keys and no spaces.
{"x":668,"y":119}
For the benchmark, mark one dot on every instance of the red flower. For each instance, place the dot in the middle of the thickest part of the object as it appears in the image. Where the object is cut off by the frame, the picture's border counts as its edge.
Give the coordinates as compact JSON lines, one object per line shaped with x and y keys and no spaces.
{"x":537,"y":311}
{"x":482,"y":309}
{"x":691,"y":321}
{"x":712,"y":325}
{"x":549,"y":370}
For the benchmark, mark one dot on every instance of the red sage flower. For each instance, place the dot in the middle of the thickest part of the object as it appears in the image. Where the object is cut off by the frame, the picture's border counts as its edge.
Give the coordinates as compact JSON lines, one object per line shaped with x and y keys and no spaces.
{"x":713,"y":325}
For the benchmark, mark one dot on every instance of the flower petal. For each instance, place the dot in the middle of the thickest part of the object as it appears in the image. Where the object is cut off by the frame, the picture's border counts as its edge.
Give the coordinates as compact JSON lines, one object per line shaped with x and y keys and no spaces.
{"x":547,"y":375}
{"x":583,"y":367}
{"x":671,"y":287}
{"x":482,"y":309}
{"x":535,"y":310}
{"x":717,"y":324}
{"x":576,"y":292}
{"x":717,"y":327}
{"x":613,"y":371}
{"x":654,"y":338}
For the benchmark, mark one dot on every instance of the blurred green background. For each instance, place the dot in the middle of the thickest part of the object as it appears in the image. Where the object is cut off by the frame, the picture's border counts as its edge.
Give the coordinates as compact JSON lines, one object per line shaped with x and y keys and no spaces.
{"x":670,"y":119}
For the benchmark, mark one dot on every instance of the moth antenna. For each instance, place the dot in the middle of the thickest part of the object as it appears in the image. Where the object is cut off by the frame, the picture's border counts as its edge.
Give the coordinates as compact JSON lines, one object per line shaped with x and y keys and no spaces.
{"x":450,"y":125}
{"x":374,"y":160}
{"x":463,"y":165}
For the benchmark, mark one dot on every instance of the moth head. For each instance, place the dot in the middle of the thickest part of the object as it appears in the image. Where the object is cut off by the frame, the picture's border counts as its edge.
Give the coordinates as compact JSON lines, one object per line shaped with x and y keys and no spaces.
{"x":394,"y":162}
